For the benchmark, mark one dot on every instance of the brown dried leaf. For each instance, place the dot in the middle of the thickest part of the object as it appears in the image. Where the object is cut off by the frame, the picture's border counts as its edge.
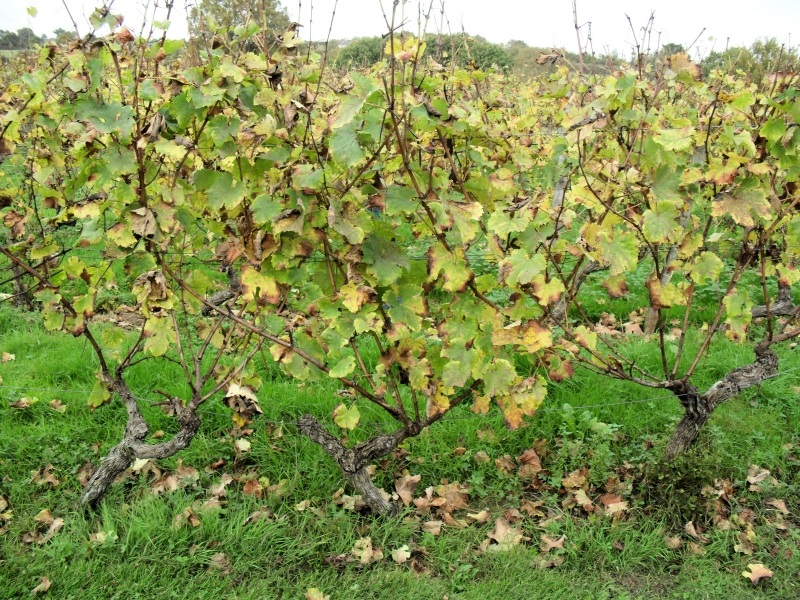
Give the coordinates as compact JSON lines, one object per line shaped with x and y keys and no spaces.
{"x":218,"y":489}
{"x":252,"y":487}
{"x":530,"y":464}
{"x":55,"y":527}
{"x":673,"y":543}
{"x":455,"y":496}
{"x":364,"y":552}
{"x":401,"y":554}
{"x":547,"y":543}
{"x":692,"y":531}
{"x":257,"y":516}
{"x":7,"y":357}
{"x":480,"y":517}
{"x":186,"y":516}
{"x":219,"y":562}
{"x":574,"y":480}
{"x":481,"y":457}
{"x":165,"y":483}
{"x":756,"y":475}
{"x":506,"y":535}
{"x":432,"y":527}
{"x":57,"y":406}
{"x":779,"y":505}
{"x":42,"y":587}
{"x":405,"y":487}
{"x":44,"y":476}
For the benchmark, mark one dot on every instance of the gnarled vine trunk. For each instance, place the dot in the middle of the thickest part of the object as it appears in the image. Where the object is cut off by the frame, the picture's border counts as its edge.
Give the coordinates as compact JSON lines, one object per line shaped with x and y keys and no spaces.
{"x":133,"y":447}
{"x":354,"y":461}
{"x":698,"y":407}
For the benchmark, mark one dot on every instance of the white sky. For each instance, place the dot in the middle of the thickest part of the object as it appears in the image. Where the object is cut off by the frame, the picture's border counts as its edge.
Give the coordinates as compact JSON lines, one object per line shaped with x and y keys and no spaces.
{"x":536,"y":22}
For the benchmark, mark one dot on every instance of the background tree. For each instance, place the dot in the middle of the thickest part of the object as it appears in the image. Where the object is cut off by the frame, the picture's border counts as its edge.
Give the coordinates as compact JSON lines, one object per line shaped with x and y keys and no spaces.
{"x":269,"y":15}
{"x":361,"y":52}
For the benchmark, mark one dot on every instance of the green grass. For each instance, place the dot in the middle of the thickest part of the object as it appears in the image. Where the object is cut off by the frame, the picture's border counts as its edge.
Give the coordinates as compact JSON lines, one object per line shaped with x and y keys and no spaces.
{"x":146,"y":556}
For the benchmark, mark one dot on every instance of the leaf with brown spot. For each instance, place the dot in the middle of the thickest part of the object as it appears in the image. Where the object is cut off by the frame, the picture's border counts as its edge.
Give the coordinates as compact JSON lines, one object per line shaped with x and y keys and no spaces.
{"x":7,"y":357}
{"x":23,"y":403}
{"x":57,"y":406}
{"x":252,"y":487}
{"x":315,"y":594}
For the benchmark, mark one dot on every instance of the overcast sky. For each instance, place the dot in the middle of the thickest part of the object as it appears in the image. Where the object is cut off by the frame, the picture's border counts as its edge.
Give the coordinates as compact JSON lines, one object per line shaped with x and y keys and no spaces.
{"x":536,"y":22}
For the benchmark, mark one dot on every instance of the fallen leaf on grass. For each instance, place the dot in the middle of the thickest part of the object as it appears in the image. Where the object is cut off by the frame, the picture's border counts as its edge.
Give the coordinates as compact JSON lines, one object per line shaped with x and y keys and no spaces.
{"x":218,"y":489}
{"x":252,"y":487}
{"x":574,"y":480}
{"x":505,"y":535}
{"x":779,"y":505}
{"x":257,"y":516}
{"x":757,"y":572}
{"x":432,"y":527}
{"x":23,"y":403}
{"x":401,"y":554}
{"x":85,"y":473}
{"x":44,"y":476}
{"x":7,"y":357}
{"x":102,"y":537}
{"x":530,"y":464}
{"x":480,"y":517}
{"x":481,"y":457}
{"x":165,"y":483}
{"x":548,"y":561}
{"x":673,"y":543}
{"x":57,"y":406}
{"x":46,"y":519}
{"x":139,"y":464}
{"x":186,"y":475}
{"x":616,"y":508}
{"x":242,"y":445}
{"x":692,"y":531}
{"x":405,"y":487}
{"x":42,"y":587}
{"x":364,"y":553}
{"x":219,"y":562}
{"x":186,"y":516}
{"x":315,"y":594}
{"x":547,"y":543}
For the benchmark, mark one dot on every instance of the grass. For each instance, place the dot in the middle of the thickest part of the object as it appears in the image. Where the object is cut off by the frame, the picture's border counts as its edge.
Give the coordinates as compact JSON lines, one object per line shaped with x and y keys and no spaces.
{"x":300,"y":546}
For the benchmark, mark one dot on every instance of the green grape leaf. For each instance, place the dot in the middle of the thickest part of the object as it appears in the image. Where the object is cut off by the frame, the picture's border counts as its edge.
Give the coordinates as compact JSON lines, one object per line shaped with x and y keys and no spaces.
{"x":346,"y":418}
